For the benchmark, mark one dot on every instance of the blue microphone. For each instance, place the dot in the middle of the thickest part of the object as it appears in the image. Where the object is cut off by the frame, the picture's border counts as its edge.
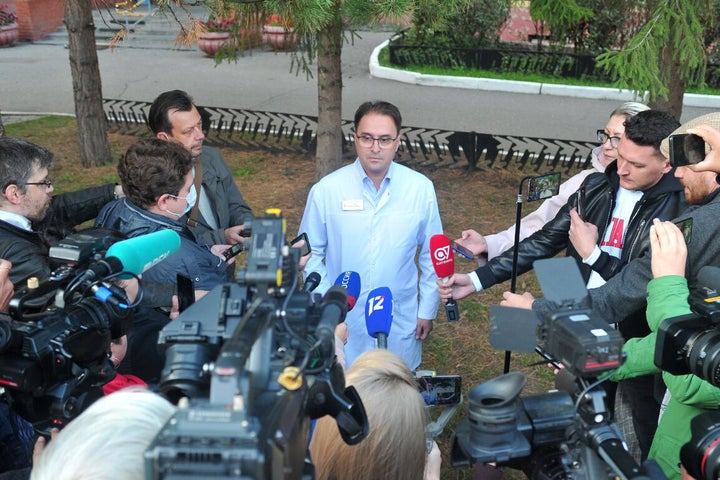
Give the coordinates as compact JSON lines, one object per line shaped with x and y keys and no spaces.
{"x":378,"y":314}
{"x":350,"y":281}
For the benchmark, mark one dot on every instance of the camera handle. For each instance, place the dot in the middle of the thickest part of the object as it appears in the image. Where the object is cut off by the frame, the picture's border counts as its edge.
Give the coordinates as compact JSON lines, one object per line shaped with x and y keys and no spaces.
{"x":433,"y":429}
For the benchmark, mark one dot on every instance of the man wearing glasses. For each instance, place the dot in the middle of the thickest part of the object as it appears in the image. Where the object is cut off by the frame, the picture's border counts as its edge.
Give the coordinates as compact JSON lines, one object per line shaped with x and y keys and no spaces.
{"x":372,"y":217}
{"x":30,"y":214}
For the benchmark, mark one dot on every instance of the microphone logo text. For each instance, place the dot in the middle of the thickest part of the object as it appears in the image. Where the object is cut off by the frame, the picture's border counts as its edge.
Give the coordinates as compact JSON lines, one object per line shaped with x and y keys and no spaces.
{"x":442,"y":254}
{"x":375,"y":303}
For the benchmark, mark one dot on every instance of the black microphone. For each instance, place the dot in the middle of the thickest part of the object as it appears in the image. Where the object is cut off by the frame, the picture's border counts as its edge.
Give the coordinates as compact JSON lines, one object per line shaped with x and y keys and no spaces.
{"x":311,"y":282}
{"x":333,"y":311}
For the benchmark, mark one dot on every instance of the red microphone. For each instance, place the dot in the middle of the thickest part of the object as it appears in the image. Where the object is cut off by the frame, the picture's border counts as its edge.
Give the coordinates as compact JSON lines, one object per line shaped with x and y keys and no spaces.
{"x":444,"y":263}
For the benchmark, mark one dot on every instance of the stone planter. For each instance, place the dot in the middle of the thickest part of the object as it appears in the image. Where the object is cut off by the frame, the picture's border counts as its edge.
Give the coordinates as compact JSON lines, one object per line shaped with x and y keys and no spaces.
{"x":279,"y":38}
{"x":9,"y":34}
{"x":211,"y":42}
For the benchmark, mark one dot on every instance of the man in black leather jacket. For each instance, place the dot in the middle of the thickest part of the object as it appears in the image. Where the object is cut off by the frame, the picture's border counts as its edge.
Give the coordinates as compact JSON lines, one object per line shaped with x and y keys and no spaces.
{"x":619,"y":207}
{"x":30,"y":215}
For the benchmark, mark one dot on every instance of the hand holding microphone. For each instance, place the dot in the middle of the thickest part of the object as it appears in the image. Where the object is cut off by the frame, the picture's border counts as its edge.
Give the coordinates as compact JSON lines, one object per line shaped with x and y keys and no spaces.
{"x":444,"y":263}
{"x":378,"y":314}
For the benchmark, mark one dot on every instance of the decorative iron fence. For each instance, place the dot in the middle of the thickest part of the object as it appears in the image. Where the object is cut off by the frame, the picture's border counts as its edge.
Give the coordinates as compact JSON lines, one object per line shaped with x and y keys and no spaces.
{"x":285,"y":132}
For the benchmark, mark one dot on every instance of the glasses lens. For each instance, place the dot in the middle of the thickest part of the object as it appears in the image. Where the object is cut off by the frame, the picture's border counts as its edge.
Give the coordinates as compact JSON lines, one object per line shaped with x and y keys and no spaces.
{"x":602,"y":136}
{"x":614,"y":141}
{"x":386,"y":142}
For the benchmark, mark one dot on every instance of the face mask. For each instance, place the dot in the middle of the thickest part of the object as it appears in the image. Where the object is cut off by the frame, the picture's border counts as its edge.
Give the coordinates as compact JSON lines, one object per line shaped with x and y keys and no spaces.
{"x":190,"y":198}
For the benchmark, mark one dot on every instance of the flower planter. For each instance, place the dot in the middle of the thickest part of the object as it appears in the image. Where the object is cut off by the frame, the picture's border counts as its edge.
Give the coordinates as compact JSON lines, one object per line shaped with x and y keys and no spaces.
{"x":278,"y":37}
{"x":211,"y":42}
{"x":9,"y":34}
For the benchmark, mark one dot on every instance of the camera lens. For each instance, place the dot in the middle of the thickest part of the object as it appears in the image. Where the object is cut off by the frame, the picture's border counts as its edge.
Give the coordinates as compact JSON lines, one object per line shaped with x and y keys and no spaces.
{"x":704,"y":355}
{"x":701,"y":455}
{"x":183,"y":374}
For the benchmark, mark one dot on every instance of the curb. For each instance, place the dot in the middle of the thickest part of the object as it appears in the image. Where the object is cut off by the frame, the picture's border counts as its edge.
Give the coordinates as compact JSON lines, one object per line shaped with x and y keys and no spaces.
{"x":510,"y":86}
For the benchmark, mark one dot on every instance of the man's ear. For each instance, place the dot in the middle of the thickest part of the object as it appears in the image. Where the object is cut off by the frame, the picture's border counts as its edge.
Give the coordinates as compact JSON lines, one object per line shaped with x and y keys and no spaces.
{"x":12,"y":194}
{"x":161,"y":201}
{"x":163,"y":136}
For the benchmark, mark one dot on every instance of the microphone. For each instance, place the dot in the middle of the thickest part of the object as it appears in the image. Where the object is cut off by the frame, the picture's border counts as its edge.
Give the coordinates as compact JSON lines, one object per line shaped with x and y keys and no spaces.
{"x":350,"y":281}
{"x":378,"y":314}
{"x":311,"y":282}
{"x":134,"y":255}
{"x":444,"y":263}
{"x":333,"y":311}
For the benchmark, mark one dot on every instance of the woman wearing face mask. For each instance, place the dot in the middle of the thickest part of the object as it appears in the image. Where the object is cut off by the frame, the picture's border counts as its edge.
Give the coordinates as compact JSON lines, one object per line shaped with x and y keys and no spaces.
{"x":157,"y":178}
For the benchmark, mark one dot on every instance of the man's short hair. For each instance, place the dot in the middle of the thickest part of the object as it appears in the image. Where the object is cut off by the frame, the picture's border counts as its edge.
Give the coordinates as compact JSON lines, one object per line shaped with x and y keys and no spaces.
{"x":153,"y":167}
{"x":19,"y":159}
{"x":381,"y":108}
{"x":158,"y":116}
{"x":649,"y":128}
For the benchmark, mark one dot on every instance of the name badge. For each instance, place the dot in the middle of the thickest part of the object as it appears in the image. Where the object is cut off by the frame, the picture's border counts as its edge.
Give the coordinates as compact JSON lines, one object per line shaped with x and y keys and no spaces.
{"x":348,"y":205}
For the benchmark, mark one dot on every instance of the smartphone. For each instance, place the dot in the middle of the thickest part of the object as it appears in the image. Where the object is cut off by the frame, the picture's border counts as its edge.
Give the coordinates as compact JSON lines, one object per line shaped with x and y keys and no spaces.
{"x":462,"y":251}
{"x":185,"y":292}
{"x":544,"y":186}
{"x":440,"y":389}
{"x":305,"y":249}
{"x":685,"y":227}
{"x":581,"y":201}
{"x":232,"y":251}
{"x":686,"y":149}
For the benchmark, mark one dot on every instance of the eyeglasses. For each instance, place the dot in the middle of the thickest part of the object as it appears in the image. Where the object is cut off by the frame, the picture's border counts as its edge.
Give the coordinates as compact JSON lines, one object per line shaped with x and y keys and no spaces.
{"x":367,"y":141}
{"x":47,"y":182}
{"x":604,"y":137}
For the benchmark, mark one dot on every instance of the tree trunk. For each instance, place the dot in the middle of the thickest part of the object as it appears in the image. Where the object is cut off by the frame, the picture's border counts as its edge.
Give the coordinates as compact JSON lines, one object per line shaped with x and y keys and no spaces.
{"x":87,"y":88}
{"x":329,"y":68}
{"x":673,"y":81}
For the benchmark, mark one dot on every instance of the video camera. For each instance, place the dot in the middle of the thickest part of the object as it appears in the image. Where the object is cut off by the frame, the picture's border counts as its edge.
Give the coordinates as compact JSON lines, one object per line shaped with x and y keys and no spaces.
{"x":250,"y":364}
{"x":55,"y":343}
{"x":691,"y":343}
{"x":560,"y":434}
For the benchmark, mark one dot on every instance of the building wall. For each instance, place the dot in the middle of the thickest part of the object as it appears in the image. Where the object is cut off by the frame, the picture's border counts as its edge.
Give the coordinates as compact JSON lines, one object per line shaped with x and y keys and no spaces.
{"x":37,"y":18}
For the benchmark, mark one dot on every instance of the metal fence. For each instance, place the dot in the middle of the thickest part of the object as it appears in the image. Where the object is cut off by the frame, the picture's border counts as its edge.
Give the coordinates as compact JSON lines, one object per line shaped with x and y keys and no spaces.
{"x":292,"y":133}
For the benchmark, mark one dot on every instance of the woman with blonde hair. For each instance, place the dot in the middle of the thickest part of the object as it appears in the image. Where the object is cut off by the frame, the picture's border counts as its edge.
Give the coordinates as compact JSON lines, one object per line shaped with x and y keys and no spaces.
{"x":395,"y":448}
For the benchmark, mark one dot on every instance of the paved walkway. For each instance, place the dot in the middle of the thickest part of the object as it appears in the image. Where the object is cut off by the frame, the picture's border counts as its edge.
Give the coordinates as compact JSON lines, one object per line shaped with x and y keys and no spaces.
{"x":36,"y":78}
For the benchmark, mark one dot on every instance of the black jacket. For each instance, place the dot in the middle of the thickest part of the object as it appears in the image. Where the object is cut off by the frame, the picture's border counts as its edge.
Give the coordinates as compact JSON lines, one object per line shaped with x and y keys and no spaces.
{"x":665,"y":201}
{"x":28,"y":251}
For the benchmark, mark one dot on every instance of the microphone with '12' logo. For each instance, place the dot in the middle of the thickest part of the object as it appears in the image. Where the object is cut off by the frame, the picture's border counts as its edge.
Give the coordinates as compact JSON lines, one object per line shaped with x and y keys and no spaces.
{"x":378,"y":314}
{"x":443,"y":261}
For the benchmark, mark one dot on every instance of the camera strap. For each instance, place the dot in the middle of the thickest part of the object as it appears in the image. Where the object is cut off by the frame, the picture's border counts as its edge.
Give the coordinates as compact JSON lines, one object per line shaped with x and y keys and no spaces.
{"x":192,"y":218}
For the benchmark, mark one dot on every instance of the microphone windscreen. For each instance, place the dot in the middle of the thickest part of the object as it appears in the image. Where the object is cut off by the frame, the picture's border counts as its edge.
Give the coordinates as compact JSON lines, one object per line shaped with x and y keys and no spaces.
{"x":312,"y":281}
{"x":709,"y":277}
{"x":350,"y":281}
{"x":379,"y":311}
{"x":140,"y":253}
{"x":442,"y":255}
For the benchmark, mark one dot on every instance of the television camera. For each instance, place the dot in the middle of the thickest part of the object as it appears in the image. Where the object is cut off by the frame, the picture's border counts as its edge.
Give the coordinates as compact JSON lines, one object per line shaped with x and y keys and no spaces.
{"x":250,"y":365}
{"x":55,"y":342}
{"x":566,"y":433}
{"x":691,"y":343}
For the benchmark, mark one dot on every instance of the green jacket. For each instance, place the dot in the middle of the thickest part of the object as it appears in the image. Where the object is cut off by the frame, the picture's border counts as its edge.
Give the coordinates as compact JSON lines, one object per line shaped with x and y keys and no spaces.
{"x":667,"y":298}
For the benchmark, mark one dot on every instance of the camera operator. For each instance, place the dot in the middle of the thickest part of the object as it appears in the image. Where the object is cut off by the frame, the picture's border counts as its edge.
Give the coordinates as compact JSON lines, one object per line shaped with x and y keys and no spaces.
{"x":396,"y":446}
{"x":108,"y":440}
{"x":30,"y":216}
{"x":689,"y":394}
